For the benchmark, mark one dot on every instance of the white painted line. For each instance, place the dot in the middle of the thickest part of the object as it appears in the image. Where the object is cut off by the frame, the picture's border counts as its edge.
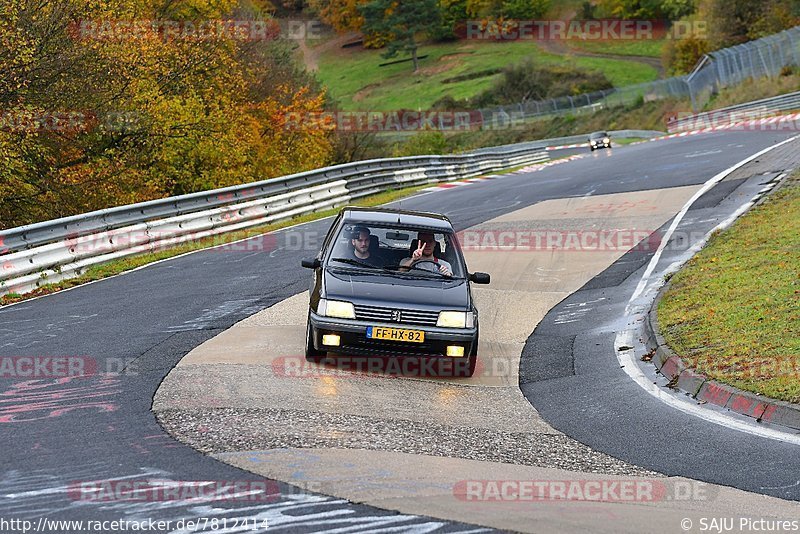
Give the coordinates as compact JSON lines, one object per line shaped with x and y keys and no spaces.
{"x":627,"y":359}
{"x":706,"y":187}
{"x":721,"y":226}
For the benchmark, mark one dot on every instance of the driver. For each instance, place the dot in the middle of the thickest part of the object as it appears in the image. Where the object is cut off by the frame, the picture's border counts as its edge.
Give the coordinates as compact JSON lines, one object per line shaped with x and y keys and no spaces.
{"x":423,"y":255}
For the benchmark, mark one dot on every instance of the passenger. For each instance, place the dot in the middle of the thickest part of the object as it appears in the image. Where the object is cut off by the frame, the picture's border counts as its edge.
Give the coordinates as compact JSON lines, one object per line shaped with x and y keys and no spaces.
{"x":361,"y":247}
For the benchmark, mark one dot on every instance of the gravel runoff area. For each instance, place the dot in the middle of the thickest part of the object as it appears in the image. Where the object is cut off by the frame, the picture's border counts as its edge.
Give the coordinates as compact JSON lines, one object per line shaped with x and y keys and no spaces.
{"x":247,"y":429}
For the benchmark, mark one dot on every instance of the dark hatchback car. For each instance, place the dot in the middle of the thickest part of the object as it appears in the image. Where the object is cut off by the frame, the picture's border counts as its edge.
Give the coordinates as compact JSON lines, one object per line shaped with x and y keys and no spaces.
{"x":599,"y":140}
{"x":382,"y":301}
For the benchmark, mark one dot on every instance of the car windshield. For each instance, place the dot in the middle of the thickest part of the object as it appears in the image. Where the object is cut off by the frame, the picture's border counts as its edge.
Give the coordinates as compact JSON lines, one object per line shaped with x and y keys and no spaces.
{"x":368,"y":247}
{"x":598,"y":135}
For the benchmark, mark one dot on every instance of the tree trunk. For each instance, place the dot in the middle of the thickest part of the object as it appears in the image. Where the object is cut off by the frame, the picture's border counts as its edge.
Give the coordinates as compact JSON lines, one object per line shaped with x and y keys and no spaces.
{"x":414,"y":56}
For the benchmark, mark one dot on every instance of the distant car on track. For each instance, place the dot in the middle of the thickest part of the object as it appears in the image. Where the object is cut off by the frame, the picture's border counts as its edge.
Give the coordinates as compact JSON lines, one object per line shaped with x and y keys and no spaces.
{"x":599,"y":140}
{"x":396,"y":302}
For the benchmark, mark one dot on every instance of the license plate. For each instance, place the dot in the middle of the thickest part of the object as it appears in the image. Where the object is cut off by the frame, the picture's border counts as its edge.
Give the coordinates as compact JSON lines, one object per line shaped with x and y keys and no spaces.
{"x":395,"y":334}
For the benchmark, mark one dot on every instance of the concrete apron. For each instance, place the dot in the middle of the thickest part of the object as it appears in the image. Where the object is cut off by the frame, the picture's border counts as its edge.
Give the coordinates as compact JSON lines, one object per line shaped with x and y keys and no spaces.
{"x":526,"y":283}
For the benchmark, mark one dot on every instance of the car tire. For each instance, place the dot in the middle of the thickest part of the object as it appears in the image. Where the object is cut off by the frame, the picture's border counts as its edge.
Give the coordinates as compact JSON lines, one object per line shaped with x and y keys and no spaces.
{"x":312,"y":354}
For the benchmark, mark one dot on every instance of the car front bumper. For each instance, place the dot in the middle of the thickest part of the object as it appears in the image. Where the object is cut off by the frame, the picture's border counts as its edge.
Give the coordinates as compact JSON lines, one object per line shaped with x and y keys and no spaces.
{"x":354,"y":340}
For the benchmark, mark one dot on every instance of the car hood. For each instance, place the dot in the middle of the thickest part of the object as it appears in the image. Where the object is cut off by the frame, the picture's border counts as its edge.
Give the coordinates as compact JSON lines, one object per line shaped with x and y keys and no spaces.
{"x":384,"y":290}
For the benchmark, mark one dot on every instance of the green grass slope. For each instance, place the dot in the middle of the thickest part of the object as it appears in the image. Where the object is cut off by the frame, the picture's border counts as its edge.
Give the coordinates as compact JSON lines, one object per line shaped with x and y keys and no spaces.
{"x":358,"y":83}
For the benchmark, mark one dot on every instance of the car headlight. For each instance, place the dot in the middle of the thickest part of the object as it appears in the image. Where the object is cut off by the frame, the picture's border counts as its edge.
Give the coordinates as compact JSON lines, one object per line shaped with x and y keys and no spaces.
{"x":606,"y":140}
{"x":456,"y":319}
{"x":336,"y":308}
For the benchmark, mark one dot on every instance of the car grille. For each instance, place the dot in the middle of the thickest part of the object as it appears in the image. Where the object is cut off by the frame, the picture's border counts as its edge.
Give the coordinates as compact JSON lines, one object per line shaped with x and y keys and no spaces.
{"x":384,"y":315}
{"x":393,"y":348}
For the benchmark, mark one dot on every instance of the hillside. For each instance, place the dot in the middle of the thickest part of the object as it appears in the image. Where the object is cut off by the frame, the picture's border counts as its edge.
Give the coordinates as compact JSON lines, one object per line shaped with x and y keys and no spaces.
{"x":353,"y":75}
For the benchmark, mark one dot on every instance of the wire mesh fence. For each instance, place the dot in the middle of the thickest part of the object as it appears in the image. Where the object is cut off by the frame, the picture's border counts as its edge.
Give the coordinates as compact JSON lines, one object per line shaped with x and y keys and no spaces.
{"x":765,"y":57}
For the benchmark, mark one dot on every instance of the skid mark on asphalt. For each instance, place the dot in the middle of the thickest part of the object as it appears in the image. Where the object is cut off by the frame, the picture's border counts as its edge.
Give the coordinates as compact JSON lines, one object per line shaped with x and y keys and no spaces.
{"x":211,"y":315}
{"x":576,"y":311}
{"x":28,"y":332}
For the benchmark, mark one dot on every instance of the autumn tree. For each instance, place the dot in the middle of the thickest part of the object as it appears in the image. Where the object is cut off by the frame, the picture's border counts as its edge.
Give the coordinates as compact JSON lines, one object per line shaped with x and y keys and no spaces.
{"x":154,"y":114}
{"x":342,"y":15}
{"x":402,"y":22}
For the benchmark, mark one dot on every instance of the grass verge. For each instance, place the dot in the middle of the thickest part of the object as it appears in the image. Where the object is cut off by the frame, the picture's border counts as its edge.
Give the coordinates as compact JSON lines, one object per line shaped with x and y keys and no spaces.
{"x":105,"y":270}
{"x":628,"y":140}
{"x":733,"y":312}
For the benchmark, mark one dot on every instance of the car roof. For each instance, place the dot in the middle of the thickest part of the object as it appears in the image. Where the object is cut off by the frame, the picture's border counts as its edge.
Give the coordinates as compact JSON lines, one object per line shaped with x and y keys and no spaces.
{"x":436,"y":221}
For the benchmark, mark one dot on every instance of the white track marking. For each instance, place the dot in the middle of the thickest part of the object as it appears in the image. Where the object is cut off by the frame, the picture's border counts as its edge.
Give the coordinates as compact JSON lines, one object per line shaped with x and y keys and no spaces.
{"x":706,"y":187}
{"x":627,"y":358}
{"x":628,"y":362}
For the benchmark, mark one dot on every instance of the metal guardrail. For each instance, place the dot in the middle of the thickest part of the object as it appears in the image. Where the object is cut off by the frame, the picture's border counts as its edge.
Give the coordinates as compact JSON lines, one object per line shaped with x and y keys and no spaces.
{"x":757,"y":109}
{"x":49,"y":251}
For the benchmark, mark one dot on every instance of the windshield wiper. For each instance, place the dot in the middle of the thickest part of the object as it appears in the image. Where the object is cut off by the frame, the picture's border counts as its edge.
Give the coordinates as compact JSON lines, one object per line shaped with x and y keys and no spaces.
{"x":449,"y":277}
{"x":352,"y":261}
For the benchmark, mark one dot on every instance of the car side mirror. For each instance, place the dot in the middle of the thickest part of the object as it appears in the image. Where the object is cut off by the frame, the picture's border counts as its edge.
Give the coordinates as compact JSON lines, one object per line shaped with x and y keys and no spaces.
{"x":311,"y":264}
{"x":479,"y":278}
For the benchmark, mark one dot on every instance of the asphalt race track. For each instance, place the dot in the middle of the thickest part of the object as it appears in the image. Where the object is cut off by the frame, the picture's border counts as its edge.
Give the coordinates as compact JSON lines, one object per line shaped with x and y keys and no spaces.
{"x":133,"y":329}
